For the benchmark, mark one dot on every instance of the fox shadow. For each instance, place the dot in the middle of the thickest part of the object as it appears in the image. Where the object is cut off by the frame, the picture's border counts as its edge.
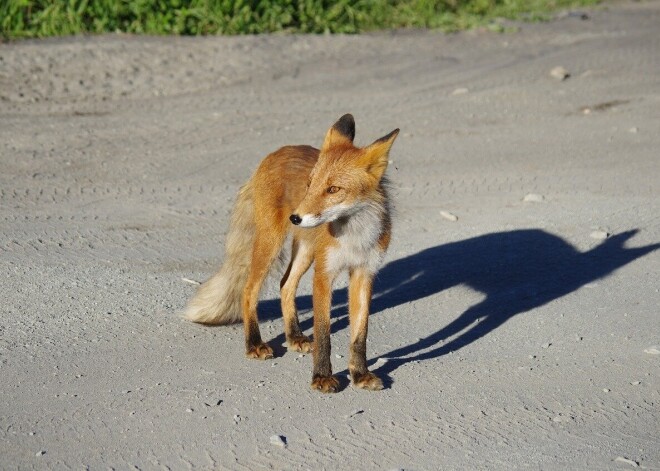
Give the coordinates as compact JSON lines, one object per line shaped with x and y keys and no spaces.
{"x":517,"y":271}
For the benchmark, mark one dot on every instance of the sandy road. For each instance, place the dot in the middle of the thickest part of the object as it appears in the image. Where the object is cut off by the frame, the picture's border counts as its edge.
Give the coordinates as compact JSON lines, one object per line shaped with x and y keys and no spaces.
{"x":510,"y":338}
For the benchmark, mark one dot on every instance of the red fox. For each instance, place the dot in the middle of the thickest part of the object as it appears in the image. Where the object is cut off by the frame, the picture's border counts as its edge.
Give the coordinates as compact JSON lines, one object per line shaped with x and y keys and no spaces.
{"x":334,"y":201}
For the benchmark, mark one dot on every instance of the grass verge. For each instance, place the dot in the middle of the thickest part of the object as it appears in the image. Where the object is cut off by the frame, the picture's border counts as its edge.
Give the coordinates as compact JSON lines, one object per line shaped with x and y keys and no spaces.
{"x":43,"y":18}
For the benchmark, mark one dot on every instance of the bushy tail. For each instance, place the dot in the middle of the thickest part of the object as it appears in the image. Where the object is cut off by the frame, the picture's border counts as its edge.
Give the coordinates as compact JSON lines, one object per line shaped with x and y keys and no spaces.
{"x":218,"y":300}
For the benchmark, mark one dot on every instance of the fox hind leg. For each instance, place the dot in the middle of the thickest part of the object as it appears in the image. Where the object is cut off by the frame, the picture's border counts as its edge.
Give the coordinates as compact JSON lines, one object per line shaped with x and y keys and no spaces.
{"x":267,"y":245}
{"x":302,"y":255}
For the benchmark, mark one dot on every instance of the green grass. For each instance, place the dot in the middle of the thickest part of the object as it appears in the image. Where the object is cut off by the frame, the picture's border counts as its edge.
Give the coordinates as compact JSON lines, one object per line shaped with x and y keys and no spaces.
{"x":42,"y":18}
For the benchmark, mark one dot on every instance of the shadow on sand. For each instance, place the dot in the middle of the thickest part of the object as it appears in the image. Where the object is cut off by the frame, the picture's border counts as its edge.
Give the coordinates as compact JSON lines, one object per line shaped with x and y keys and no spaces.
{"x":516,"y":270}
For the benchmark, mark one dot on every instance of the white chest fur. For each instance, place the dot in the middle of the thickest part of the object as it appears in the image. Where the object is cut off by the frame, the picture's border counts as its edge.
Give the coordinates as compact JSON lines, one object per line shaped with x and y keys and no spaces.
{"x":358,"y":237}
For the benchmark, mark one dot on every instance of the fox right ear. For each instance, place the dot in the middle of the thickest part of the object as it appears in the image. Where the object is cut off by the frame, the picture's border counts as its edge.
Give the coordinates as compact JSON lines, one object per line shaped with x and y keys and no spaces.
{"x":376,"y":155}
{"x":342,"y":132}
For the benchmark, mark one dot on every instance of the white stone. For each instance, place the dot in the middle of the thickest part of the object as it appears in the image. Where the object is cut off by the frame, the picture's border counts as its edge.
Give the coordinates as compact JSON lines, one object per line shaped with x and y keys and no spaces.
{"x":449,"y":216}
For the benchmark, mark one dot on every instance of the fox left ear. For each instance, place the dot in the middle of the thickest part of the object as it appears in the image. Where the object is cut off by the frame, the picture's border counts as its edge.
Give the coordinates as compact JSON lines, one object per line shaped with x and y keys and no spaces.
{"x":341,"y":133}
{"x":376,"y":155}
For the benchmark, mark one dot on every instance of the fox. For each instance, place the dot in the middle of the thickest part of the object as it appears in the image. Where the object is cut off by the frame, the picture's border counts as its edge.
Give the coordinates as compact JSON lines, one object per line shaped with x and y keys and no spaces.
{"x":332,"y":204}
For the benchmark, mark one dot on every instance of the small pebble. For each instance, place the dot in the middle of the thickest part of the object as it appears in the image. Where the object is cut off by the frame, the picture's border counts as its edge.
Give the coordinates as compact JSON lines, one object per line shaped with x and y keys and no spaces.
{"x":606,"y":390}
{"x":654,"y":350}
{"x":460,"y":91}
{"x":546,"y":345}
{"x":449,"y":216}
{"x":278,"y":440}
{"x":190,"y":410}
{"x":337,"y":355}
{"x":560,"y":73}
{"x":533,"y":198}
{"x":599,"y":234}
{"x":188,"y":280}
{"x":40,"y":453}
{"x":237,"y":418}
{"x":621,"y":459}
{"x":636,"y":383}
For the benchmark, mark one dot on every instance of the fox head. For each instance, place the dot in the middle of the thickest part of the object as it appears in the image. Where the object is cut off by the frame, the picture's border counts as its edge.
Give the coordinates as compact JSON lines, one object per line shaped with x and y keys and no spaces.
{"x":345,"y":178}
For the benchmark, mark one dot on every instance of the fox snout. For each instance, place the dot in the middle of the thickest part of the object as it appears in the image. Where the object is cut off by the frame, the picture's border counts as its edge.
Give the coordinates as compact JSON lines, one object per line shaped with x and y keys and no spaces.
{"x":307,"y":220}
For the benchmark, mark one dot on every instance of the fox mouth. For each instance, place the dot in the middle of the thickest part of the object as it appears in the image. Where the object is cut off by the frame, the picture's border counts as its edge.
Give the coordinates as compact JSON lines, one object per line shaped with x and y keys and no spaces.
{"x":313,"y":220}
{"x":307,"y":220}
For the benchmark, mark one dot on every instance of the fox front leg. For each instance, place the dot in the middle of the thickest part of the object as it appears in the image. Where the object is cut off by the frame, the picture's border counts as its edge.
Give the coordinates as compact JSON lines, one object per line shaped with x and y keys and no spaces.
{"x":322,"y":378}
{"x":301,"y":259}
{"x":359,"y":298}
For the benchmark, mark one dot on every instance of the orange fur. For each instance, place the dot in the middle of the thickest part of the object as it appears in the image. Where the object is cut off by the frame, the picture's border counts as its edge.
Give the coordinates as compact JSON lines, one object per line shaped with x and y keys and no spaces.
{"x":337,"y":200}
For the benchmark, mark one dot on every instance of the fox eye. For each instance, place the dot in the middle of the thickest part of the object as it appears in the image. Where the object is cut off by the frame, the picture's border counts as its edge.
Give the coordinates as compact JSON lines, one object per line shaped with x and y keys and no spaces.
{"x":333,"y":189}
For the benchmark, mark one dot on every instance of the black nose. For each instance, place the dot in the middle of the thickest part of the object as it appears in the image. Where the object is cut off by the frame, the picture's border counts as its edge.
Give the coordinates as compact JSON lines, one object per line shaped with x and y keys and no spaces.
{"x":295,"y":219}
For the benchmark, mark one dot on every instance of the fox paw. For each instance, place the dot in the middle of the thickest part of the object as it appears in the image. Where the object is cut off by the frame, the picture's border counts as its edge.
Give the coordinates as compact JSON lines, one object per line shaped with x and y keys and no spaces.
{"x":326,"y":384}
{"x":367,"y":381}
{"x":300,"y":343}
{"x":260,"y":352}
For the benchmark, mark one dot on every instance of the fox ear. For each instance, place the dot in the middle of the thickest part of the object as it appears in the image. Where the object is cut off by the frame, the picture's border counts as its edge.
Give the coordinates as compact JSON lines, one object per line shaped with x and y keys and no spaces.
{"x":376,"y":155}
{"x":342,"y":132}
